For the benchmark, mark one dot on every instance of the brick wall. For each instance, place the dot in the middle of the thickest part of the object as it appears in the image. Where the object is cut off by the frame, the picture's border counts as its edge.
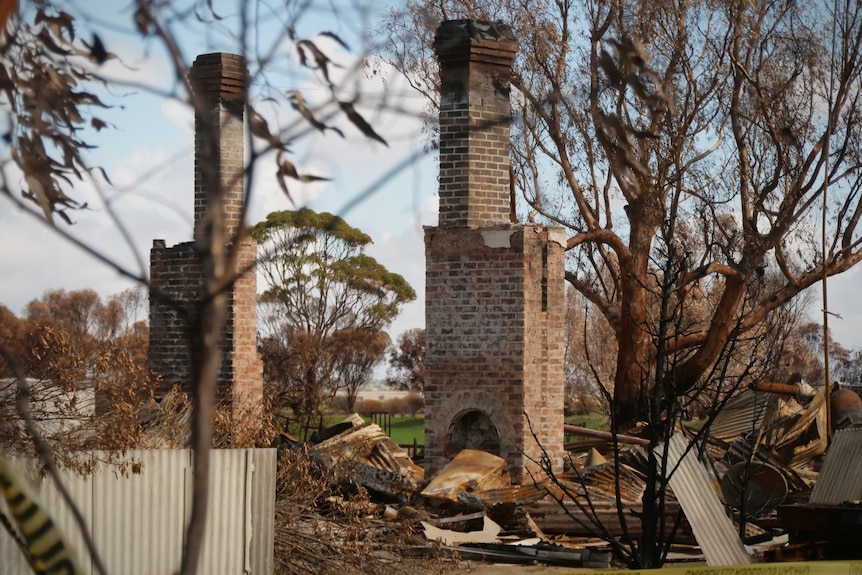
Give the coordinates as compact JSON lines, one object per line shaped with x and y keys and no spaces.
{"x":494,"y":325}
{"x":177,"y":272}
{"x":219,"y":81}
{"x":494,"y":291}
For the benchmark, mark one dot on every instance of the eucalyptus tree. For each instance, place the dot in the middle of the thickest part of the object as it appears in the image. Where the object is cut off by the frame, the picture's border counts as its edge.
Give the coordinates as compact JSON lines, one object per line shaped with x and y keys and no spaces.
{"x":325,"y":309}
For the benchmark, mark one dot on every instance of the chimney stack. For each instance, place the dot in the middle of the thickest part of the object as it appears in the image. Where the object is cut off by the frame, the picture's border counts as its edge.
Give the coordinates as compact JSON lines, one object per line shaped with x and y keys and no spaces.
{"x":219,"y":82}
{"x":475,"y":71}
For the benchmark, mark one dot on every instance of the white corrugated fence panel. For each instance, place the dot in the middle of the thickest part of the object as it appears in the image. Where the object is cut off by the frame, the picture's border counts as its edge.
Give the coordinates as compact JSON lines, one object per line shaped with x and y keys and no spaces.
{"x":81,"y":493}
{"x":138,"y":521}
{"x":224,"y":545}
{"x":263,"y":502}
{"x":11,"y":558}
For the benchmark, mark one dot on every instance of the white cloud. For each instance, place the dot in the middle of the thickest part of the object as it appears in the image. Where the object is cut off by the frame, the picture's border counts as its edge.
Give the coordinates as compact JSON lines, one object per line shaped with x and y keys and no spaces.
{"x":181,"y":115}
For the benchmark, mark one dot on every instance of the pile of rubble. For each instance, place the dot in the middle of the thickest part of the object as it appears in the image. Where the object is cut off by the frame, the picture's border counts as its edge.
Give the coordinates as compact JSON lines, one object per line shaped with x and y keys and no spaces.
{"x":746,"y":477}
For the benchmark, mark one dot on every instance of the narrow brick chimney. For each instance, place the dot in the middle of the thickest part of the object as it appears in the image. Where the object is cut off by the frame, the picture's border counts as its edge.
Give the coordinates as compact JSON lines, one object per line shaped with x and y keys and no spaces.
{"x":219,"y":82}
{"x":475,"y":70}
{"x":494,"y":291}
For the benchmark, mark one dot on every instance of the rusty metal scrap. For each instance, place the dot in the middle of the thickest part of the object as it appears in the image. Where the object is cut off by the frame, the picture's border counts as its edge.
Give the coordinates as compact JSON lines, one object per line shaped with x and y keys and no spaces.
{"x":604,"y":435}
{"x":773,"y":423}
{"x":795,"y":421}
{"x":577,"y":519}
{"x":741,"y":414}
{"x":471,"y":471}
{"x":371,"y":458}
{"x":846,"y":409}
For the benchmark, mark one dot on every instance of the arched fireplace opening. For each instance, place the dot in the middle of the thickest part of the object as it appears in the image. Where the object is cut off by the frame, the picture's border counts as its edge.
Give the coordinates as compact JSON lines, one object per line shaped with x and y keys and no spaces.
{"x":472,"y":430}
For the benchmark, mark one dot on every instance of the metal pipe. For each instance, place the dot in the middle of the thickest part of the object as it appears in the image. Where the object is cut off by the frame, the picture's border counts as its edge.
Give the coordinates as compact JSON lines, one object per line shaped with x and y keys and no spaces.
{"x":587,"y":432}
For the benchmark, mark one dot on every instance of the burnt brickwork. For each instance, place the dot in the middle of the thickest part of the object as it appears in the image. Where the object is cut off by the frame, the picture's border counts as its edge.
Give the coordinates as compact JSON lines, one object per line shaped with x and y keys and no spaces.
{"x":219,"y":81}
{"x":494,"y":290}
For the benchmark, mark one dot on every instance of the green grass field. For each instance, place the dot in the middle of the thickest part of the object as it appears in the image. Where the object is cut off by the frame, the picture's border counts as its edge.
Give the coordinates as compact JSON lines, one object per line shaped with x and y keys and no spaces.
{"x":404,"y":429}
{"x":590,"y":420}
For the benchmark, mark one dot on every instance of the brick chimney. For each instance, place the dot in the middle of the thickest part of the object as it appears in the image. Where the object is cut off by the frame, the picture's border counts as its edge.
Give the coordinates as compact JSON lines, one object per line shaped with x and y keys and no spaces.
{"x":494,"y":300}
{"x":475,"y":70}
{"x":219,"y":82}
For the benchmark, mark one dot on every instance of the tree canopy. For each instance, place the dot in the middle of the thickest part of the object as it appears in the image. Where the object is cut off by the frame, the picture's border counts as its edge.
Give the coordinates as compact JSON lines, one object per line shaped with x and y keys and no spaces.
{"x":325,"y":308}
{"x":689,"y":148}
{"x":85,"y":358}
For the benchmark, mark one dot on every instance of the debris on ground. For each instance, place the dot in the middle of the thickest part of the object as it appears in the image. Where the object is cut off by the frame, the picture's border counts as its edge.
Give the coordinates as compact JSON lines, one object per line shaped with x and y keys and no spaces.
{"x":464,"y":479}
{"x":746,"y":479}
{"x":363,"y":452}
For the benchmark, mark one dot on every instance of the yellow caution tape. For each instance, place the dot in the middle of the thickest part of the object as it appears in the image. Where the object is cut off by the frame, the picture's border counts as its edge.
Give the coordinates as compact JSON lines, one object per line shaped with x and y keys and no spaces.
{"x":794,"y":568}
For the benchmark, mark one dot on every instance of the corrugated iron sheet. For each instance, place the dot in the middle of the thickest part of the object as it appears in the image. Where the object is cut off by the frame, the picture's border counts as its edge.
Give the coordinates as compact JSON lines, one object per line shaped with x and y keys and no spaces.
{"x":796,"y":419}
{"x":841,"y":475}
{"x":138,"y":520}
{"x":714,"y":531}
{"x":262,"y":517}
{"x":470,"y":472}
{"x":374,"y":460}
{"x":740,"y":415}
{"x":579,"y":519}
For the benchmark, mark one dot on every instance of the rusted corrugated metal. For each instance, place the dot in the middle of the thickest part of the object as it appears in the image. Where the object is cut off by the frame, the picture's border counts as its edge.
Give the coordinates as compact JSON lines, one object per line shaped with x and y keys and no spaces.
{"x":841,"y":475}
{"x":740,"y":415}
{"x":374,"y":460}
{"x":138,"y":520}
{"x":471,"y":472}
{"x":714,"y":531}
{"x":580,"y":519}
{"x":795,"y":420}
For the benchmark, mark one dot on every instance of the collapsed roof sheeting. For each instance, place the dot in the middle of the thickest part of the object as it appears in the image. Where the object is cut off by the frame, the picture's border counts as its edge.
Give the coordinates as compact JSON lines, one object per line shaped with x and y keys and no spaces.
{"x":713,"y":529}
{"x":841,"y":476}
{"x":740,"y":415}
{"x":371,"y":458}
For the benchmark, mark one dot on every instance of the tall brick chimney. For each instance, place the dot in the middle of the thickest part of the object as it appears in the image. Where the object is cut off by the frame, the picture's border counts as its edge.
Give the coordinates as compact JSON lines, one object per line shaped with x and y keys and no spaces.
{"x":219,"y":81}
{"x":475,"y":70}
{"x":494,"y":302}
